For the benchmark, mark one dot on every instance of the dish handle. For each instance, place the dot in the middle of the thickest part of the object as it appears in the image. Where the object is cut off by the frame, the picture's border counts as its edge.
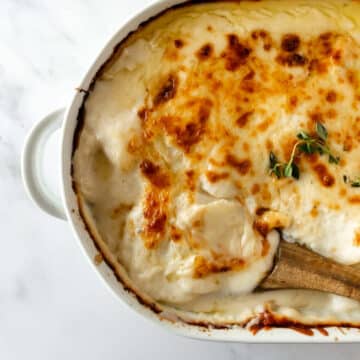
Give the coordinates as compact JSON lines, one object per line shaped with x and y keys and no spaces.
{"x":32,"y":157}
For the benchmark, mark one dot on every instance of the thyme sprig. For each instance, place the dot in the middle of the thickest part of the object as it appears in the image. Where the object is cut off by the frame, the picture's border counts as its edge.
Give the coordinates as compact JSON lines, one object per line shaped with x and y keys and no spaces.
{"x":355,"y":183}
{"x":306,"y":144}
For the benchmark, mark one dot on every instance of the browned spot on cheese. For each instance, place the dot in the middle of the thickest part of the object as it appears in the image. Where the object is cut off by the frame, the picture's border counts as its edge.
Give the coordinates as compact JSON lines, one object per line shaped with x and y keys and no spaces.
{"x":243,"y":119}
{"x":175,"y":233}
{"x":261,"y":227}
{"x":179,"y":43}
{"x":325,"y":43}
{"x":190,"y":179}
{"x":188,"y":132}
{"x":198,"y":223}
{"x":265,"y":193}
{"x":290,"y":42}
{"x":348,"y":143}
{"x":263,"y":126}
{"x":356,"y":240}
{"x":351,"y":76}
{"x":254,"y":34}
{"x":267,"y":47}
{"x":249,"y":76}
{"x":355,"y":200}
{"x":314,"y":211}
{"x":143,"y":114}
{"x":255,"y":189}
{"x":342,"y":192}
{"x":191,"y":134}
{"x":236,"y":53}
{"x":331,"y":96}
{"x":167,"y":90}
{"x":214,"y":177}
{"x":154,"y":174}
{"x":134,"y":144}
{"x":269,"y":144}
{"x":292,"y":59}
{"x":261,"y":210}
{"x":172,"y":54}
{"x":263,"y":34}
{"x":242,"y":166}
{"x":331,"y":114}
{"x":293,"y":101}
{"x":326,"y":36}
{"x":259,"y":34}
{"x":316,"y":116}
{"x":324,"y":175}
{"x":337,"y":56}
{"x":311,"y":158}
{"x":248,"y":86}
{"x":318,"y":66}
{"x":155,"y":215}
{"x":334,"y":207}
{"x":204,"y":267}
{"x":209,"y":28}
{"x":246,"y":147}
{"x":205,"y":52}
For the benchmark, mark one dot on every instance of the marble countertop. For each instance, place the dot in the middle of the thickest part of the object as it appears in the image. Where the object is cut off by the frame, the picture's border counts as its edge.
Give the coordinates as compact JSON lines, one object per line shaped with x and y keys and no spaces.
{"x":52,"y":305}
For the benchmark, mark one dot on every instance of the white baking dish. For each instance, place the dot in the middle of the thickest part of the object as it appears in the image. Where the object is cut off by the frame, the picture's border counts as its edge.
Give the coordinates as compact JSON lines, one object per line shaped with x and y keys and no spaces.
{"x":68,"y":210}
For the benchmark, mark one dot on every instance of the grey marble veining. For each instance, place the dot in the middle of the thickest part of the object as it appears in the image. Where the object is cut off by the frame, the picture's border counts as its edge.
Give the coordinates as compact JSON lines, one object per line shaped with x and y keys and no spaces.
{"x":52,"y":305}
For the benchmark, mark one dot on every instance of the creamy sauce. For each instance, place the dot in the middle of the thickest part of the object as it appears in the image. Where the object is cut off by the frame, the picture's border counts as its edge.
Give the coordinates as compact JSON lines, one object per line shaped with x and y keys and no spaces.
{"x":172,"y":163}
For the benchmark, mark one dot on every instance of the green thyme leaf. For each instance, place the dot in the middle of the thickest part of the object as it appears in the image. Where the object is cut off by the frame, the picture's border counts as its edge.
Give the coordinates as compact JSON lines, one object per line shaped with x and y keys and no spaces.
{"x":353,"y":183}
{"x":295,"y":172}
{"x":292,"y":170}
{"x":321,"y":149}
{"x":333,"y":159}
{"x":307,"y":144}
{"x":302,"y":135}
{"x":273,"y":160}
{"x":275,"y":166}
{"x":321,"y":131}
{"x":307,"y":148}
{"x":288,"y":171}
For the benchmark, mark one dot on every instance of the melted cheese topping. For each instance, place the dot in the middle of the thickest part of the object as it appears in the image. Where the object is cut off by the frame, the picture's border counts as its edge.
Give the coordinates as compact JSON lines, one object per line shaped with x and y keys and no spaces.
{"x":172,"y":162}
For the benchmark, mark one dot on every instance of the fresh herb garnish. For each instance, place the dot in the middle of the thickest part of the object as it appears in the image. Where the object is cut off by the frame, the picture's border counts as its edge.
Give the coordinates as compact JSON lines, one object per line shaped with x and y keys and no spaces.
{"x":307,"y":144}
{"x":283,"y":170}
{"x":275,"y":166}
{"x":321,"y":131}
{"x":355,"y":183}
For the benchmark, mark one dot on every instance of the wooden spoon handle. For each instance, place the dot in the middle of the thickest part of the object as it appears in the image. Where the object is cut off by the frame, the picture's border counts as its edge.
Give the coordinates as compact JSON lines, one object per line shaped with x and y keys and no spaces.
{"x":299,"y":268}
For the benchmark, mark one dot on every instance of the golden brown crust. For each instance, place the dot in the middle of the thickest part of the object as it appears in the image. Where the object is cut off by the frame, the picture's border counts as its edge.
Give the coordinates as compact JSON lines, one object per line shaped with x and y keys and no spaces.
{"x":154,"y":174}
{"x":187,"y":135}
{"x":204,"y":267}
{"x":236,"y":53}
{"x":325,"y":177}
{"x":155,"y":211}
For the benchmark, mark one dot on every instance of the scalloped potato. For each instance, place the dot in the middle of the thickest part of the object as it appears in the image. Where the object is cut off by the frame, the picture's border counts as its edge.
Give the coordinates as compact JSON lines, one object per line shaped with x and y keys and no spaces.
{"x":171,"y":166}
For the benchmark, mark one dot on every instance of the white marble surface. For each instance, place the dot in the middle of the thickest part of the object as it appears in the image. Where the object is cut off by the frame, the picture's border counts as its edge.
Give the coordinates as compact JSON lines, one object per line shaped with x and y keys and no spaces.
{"x":52,"y":305}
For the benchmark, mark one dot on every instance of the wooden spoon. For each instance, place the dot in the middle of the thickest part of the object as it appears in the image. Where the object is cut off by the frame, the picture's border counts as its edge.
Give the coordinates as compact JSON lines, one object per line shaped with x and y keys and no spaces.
{"x":298,"y":268}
